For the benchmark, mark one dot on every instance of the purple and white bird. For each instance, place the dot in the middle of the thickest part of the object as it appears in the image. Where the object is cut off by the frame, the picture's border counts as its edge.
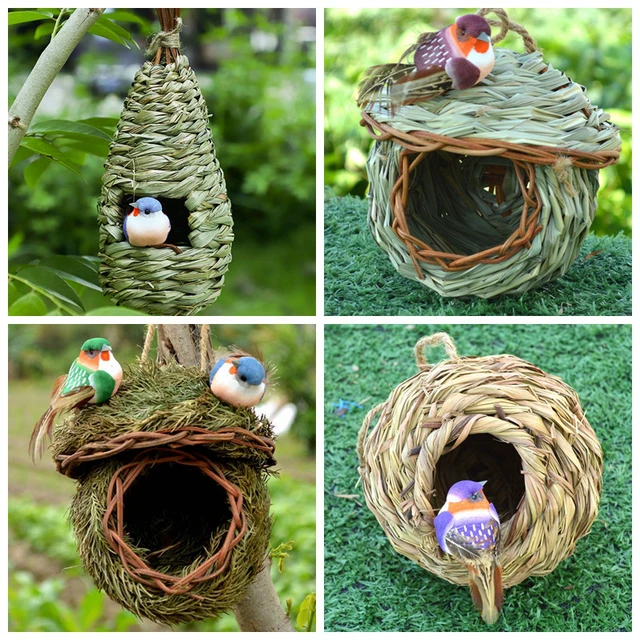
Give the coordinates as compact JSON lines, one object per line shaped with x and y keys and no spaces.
{"x":239,"y":380}
{"x":468,"y":528}
{"x":146,"y":225}
{"x":456,"y":57}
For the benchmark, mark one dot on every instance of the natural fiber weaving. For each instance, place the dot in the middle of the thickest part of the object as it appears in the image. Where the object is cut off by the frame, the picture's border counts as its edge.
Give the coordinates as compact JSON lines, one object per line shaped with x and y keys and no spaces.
{"x":163,"y":148}
{"x":494,"y":418}
{"x":171,"y":514}
{"x":490,"y":189}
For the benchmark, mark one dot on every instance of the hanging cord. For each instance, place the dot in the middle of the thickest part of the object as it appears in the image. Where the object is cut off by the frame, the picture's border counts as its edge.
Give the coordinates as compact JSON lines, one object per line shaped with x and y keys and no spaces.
{"x":205,"y":335}
{"x":151,"y":330}
{"x":431,"y":341}
{"x":506,"y":25}
{"x":168,"y":40}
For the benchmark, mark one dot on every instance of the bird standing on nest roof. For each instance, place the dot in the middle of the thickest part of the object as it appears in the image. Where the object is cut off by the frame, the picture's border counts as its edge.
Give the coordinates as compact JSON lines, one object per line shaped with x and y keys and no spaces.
{"x":456,"y":57}
{"x":468,"y":528}
{"x":238,"y":379}
{"x":93,"y":378}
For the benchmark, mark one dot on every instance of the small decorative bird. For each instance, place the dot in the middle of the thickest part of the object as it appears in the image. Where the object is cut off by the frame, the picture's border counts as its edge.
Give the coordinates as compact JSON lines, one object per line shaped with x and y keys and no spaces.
{"x":94,"y":377}
{"x":147,"y":225}
{"x":238,"y":379}
{"x":468,"y":527}
{"x":456,"y":57}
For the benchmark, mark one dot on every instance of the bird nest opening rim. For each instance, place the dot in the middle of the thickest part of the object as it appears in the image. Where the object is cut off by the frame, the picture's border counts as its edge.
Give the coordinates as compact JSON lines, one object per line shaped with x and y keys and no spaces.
{"x":119,"y":513}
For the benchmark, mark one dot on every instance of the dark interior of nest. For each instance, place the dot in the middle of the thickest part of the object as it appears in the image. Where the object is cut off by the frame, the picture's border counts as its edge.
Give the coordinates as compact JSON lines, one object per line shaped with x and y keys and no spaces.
{"x":482,"y":457}
{"x":174,"y":209}
{"x":174,"y":511}
{"x":463,"y":204}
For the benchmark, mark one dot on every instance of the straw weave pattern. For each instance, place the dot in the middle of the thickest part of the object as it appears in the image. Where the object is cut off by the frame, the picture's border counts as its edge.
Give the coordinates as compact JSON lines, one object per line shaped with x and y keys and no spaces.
{"x":163,"y":148}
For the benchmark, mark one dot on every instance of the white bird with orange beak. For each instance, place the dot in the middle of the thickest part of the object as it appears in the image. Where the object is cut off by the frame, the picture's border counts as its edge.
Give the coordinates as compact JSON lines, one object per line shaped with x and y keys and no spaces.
{"x":239,"y":380}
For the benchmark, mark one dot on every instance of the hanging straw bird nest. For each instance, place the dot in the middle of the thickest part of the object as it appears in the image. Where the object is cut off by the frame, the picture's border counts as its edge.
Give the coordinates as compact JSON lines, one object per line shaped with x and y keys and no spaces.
{"x":171,"y":514}
{"x":490,"y":189}
{"x":493,"y":418}
{"x":163,"y":148}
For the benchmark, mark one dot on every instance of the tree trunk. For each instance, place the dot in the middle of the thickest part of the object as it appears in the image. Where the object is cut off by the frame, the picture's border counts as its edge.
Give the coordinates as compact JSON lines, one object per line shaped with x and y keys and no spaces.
{"x":44,"y":72}
{"x":260,"y":610}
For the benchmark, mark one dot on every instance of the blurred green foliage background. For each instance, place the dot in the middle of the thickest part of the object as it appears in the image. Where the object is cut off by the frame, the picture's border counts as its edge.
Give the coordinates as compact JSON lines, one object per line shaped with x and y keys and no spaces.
{"x":592,"y":46}
{"x":256,"y":68}
{"x":48,"y":589}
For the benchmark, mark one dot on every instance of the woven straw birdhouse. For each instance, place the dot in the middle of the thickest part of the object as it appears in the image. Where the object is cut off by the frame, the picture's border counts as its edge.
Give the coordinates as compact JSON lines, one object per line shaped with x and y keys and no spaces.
{"x":494,"y":418}
{"x":490,"y":189}
{"x":163,"y":149}
{"x":171,"y":512}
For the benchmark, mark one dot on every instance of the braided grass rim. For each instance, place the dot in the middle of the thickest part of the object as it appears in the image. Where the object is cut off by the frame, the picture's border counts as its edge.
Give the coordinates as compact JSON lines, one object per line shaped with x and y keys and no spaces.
{"x":560,"y":456}
{"x":523,"y":157}
{"x":113,"y":522}
{"x":186,"y":436}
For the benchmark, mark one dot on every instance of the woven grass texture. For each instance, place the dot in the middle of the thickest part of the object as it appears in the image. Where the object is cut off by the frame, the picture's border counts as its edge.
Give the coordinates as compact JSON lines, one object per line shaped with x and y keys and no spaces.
{"x":163,"y":148}
{"x":494,"y":418}
{"x":491,"y":189}
{"x":171,"y":513}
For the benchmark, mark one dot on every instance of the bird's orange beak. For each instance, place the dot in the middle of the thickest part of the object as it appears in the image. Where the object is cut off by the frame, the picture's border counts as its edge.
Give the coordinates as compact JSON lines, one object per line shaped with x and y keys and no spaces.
{"x":104,"y":355}
{"x":135,"y":211}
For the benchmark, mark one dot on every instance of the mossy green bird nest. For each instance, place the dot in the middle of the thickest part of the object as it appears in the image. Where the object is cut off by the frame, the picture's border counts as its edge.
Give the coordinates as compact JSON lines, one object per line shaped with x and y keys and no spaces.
{"x":171,"y":513}
{"x":492,"y":189}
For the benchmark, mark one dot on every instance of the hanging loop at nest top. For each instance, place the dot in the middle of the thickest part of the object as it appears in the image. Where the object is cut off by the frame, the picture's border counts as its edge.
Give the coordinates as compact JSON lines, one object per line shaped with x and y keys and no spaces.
{"x":431,"y":341}
{"x":506,"y":25}
{"x":168,"y":40}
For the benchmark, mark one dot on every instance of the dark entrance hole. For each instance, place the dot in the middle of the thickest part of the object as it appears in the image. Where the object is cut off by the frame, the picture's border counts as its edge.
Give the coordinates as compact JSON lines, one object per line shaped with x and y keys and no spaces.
{"x":177,"y":509}
{"x":463,"y":204}
{"x":175,"y":210}
{"x":482,"y":457}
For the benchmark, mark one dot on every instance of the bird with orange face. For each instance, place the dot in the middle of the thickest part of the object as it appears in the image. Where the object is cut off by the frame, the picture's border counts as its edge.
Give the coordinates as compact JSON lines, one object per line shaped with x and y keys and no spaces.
{"x":468,"y":528}
{"x":456,"y":57}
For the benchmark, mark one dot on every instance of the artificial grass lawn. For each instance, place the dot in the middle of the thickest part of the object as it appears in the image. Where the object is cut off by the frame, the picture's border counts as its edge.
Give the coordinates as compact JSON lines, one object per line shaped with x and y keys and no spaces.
{"x":360,"y":279}
{"x":369,"y":587}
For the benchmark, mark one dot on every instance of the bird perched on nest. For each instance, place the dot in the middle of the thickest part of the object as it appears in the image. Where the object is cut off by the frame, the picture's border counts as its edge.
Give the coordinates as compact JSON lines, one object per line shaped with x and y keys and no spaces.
{"x":468,"y":528}
{"x":147,"y":225}
{"x":94,"y":377}
{"x":456,"y":57}
{"x":238,"y":379}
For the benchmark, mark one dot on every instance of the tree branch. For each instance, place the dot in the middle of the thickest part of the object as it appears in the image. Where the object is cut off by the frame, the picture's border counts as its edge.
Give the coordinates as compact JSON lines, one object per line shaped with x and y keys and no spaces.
{"x":260,"y":610}
{"x":44,"y":72}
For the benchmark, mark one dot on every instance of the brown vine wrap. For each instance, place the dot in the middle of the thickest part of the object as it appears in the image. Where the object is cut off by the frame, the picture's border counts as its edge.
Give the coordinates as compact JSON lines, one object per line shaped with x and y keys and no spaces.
{"x":166,"y":447}
{"x":417,"y":132}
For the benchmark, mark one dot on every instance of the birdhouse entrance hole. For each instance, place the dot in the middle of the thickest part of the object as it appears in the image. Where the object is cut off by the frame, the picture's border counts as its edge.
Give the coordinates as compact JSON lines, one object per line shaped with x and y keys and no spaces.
{"x":482,"y":457}
{"x":171,"y":507}
{"x":174,"y":209}
{"x":463,"y":205}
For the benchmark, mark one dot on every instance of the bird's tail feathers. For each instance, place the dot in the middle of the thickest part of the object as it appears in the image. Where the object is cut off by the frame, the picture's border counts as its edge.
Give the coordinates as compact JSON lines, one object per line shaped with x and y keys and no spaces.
{"x":485,"y":583}
{"x":377,"y":81}
{"x":43,"y":430}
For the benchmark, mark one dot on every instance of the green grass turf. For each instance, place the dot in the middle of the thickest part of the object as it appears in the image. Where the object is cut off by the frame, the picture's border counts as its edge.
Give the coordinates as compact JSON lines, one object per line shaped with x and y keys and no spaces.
{"x":360,"y":279}
{"x":369,"y":587}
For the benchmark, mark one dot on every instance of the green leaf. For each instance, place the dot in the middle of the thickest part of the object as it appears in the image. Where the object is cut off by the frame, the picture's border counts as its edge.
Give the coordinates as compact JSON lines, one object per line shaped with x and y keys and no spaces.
{"x":18,"y":17}
{"x":21,"y":154}
{"x":91,"y":609}
{"x":34,"y":170}
{"x":306,"y":613}
{"x":15,"y":242}
{"x":45,"y":148}
{"x":114,"y":311}
{"x":105,"y":124}
{"x":68,"y":127}
{"x":94,"y":146}
{"x":44,"y":29}
{"x":53,"y":284}
{"x":112,"y":31}
{"x":13,"y":293}
{"x":74,"y":269}
{"x":117,"y":29}
{"x":125,"y":16}
{"x":30,"y":304}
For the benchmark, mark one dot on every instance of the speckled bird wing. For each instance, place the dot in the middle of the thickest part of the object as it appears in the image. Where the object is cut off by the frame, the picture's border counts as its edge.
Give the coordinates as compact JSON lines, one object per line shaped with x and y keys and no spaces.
{"x":432,"y":53}
{"x":470,"y":541}
{"x":78,"y":376}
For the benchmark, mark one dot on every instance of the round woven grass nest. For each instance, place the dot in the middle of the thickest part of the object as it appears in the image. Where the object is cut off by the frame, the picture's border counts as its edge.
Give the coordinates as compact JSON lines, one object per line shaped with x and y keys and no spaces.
{"x":163,"y":148}
{"x":491,"y":189}
{"x":494,"y":418}
{"x":171,"y":513}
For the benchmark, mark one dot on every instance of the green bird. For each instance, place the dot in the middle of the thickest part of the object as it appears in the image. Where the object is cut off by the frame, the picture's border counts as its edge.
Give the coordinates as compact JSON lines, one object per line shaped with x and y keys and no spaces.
{"x":94,"y":377}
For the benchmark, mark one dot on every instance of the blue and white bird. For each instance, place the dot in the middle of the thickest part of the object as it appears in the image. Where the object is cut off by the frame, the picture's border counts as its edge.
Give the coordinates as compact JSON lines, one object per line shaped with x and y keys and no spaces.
{"x":147,"y":225}
{"x":239,"y":380}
